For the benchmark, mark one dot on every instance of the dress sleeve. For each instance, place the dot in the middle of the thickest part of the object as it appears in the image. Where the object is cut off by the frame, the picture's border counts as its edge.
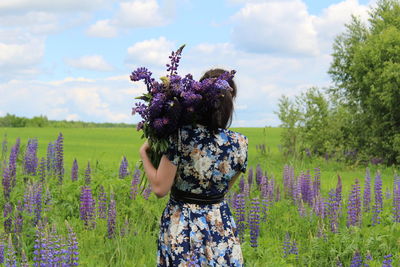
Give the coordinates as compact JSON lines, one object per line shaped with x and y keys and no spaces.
{"x":243,"y":154}
{"x":172,"y":151}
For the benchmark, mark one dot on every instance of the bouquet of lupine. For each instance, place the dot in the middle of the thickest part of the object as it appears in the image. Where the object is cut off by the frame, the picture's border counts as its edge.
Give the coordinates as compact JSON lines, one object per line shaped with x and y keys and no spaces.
{"x":174,"y":101}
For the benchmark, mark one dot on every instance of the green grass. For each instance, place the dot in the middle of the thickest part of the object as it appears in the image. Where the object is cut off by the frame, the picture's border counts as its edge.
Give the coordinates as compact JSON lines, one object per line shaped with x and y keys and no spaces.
{"x":104,"y":148}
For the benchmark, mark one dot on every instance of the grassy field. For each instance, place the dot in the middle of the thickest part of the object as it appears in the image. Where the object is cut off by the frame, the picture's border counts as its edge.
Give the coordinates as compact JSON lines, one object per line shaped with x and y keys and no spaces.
{"x":138,"y":219}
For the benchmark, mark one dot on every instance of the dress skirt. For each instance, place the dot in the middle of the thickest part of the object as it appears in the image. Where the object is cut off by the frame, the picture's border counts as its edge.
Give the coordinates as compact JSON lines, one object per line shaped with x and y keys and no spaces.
{"x":198,"y":235}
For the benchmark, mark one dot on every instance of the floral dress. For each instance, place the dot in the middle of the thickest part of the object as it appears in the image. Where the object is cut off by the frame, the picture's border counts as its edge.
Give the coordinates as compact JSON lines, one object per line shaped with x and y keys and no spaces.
{"x":194,"y":234}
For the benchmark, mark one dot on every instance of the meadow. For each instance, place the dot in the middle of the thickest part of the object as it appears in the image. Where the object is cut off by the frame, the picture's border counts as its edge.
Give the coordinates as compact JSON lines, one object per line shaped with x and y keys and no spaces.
{"x":121,"y":226}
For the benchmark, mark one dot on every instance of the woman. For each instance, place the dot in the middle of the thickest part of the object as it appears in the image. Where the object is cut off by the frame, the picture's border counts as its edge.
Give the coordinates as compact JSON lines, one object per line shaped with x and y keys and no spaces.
{"x":199,"y":167}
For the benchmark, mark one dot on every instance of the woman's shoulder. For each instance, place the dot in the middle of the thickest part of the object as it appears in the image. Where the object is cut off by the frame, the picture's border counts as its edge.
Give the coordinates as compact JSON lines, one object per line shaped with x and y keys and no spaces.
{"x":236,"y":137}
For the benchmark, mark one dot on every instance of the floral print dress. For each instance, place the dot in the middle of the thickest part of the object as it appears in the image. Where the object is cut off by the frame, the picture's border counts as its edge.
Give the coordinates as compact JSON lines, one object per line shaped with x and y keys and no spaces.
{"x":194,"y":234}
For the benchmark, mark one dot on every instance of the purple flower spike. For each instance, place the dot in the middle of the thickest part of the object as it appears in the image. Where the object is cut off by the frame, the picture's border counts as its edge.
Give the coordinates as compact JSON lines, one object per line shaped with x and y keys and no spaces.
{"x":51,"y":158}
{"x":112,"y":217}
{"x":239,"y":206}
{"x":42,"y":170}
{"x":387,"y":261}
{"x":1,"y":252}
{"x":87,"y":207}
{"x":88,"y":174}
{"x":30,"y":159}
{"x":378,"y":206}
{"x":11,"y":259}
{"x":74,"y":171}
{"x":354,"y":206}
{"x":147,"y":192}
{"x":102,"y":203}
{"x":367,"y":191}
{"x":254,"y":222}
{"x":357,"y":260}
{"x":72,"y":251}
{"x":123,"y":168}
{"x":59,"y":153}
{"x":396,"y":201}
{"x":135,"y":183}
{"x":6,"y":182}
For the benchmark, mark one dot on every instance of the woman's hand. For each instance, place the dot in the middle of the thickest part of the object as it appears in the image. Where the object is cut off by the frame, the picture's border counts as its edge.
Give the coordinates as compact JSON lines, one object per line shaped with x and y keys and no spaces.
{"x":144,"y":148}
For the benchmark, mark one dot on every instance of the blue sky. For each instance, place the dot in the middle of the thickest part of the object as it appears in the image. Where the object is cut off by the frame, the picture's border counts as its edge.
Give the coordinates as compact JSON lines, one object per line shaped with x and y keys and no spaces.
{"x":71,"y":59}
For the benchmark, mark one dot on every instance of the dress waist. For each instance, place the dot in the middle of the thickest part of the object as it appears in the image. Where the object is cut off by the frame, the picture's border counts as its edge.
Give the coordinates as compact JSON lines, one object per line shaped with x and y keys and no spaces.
{"x":192,"y":198}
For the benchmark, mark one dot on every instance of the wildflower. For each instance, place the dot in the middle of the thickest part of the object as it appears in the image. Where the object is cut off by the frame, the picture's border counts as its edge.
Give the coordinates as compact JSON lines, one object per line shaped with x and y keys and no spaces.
{"x":72,"y":251}
{"x":59,"y":153}
{"x":367,"y":191}
{"x":123,"y":168}
{"x":30,"y":159}
{"x":135,"y":183}
{"x":254,"y":222}
{"x":387,"y":261}
{"x":112,"y":216}
{"x":74,"y":170}
{"x":87,"y":206}
{"x":354,"y":206}
{"x":88,"y":172}
{"x":357,"y":260}
{"x":102,"y":204}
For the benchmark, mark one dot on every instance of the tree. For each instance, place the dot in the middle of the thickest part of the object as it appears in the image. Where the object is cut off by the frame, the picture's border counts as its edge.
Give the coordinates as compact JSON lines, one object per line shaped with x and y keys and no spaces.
{"x":366,"y":74}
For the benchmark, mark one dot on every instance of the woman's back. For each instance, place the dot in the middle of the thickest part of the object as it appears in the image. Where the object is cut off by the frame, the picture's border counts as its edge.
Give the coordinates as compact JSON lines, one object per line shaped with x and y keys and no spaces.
{"x":207,"y":161}
{"x":202,"y":234}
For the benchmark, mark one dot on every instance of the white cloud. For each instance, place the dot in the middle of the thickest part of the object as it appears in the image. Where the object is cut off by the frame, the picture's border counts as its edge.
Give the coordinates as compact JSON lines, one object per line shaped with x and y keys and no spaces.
{"x":90,"y":62}
{"x":152,"y":52}
{"x":71,"y":99}
{"x":130,"y":15}
{"x":8,"y":6}
{"x":102,"y":28}
{"x":275,"y":26}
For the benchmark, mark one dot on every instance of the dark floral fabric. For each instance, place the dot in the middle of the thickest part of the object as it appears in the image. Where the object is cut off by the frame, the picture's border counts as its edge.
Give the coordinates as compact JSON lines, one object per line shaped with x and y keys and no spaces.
{"x":202,"y":235}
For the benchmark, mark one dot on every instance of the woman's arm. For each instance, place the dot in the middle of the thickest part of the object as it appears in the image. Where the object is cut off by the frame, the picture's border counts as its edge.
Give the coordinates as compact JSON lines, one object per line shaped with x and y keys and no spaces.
{"x":160,"y":179}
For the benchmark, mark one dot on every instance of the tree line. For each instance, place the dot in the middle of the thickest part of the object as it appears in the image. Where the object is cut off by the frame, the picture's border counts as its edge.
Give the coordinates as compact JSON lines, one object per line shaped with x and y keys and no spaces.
{"x":10,"y":120}
{"x":358,"y":118}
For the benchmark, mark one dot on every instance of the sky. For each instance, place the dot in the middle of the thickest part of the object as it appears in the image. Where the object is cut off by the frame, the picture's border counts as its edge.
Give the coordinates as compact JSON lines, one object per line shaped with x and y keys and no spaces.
{"x":71,"y":59}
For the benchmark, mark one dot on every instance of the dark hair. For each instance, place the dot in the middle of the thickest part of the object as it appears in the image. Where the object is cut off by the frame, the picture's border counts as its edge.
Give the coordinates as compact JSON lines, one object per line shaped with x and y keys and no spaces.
{"x":220,"y":116}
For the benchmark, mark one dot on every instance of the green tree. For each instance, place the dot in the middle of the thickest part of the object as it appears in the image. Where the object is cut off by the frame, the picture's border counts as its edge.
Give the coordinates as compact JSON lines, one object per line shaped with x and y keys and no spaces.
{"x":366,"y":73}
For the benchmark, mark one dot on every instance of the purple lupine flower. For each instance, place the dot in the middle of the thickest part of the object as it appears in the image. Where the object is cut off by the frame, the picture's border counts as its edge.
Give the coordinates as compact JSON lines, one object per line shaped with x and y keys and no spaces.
{"x":316,"y":184}
{"x":287,"y":245}
{"x":24,"y":259}
{"x":270,"y":190}
{"x":246,"y":189}
{"x":378,"y":205}
{"x":142,"y":74}
{"x":288,"y":180}
{"x":40,"y":246}
{"x":29,"y":197}
{"x":88,"y":174}
{"x":241,"y":184}
{"x":387,"y":262}
{"x":135,"y":183}
{"x":59,"y":152}
{"x":300,"y":208}
{"x":125,"y":228}
{"x":74,"y":170}
{"x":294,"y":249}
{"x":259,"y":174}
{"x":254,"y":222}
{"x":19,"y":219}
{"x":175,"y":58}
{"x":7,"y":213}
{"x":112,"y":217}
{"x":331,"y":211}
{"x":396,"y":201}
{"x":123,"y":168}
{"x":264,"y":209}
{"x":38,"y":202}
{"x":305,"y":184}
{"x":47,"y":200}
{"x":72,"y":251}
{"x":30,"y":159}
{"x":51,"y":158}
{"x":42,"y":170}
{"x":54,"y":247}
{"x":378,"y":190}
{"x":87,"y":207}
{"x":102,"y":203}
{"x":357,"y":260}
{"x":1,"y":252}
{"x":338,"y":194}
{"x":354,"y":206}
{"x":11,"y":259}
{"x":318,"y":206}
{"x":239,"y":206}
{"x":367,"y":191}
{"x":147,"y":192}
{"x":6,"y":182}
{"x":250,"y":177}
{"x":12,"y":163}
{"x":264,"y":187}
